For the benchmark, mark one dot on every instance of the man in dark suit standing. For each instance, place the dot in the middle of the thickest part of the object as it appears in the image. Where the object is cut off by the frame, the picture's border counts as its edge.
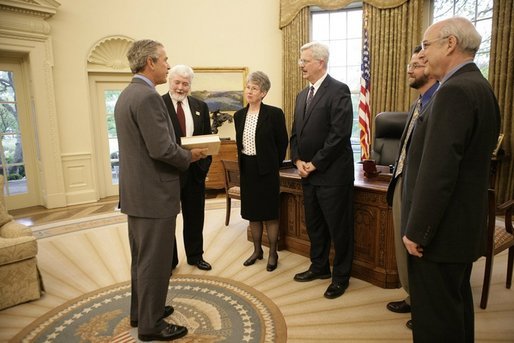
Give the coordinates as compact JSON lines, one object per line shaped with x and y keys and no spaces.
{"x":322,"y":152}
{"x":445,"y":182}
{"x":192,"y":120}
{"x":426,"y":86}
{"x":150,"y":161}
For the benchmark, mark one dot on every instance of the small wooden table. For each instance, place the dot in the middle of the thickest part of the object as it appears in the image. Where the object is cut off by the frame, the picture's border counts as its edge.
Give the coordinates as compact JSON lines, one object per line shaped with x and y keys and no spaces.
{"x":374,"y":259}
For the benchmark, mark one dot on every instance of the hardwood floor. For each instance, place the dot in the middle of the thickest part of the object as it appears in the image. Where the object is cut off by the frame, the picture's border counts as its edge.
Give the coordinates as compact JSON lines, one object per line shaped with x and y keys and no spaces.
{"x":38,"y":215}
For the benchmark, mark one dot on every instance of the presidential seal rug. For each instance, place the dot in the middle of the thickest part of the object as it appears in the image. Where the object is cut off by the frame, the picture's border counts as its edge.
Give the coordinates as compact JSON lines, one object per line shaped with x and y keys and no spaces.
{"x":213,"y":309}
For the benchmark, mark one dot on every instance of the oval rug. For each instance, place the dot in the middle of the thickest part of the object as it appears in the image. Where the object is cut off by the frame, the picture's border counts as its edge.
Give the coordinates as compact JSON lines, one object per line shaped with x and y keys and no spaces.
{"x":213,"y":309}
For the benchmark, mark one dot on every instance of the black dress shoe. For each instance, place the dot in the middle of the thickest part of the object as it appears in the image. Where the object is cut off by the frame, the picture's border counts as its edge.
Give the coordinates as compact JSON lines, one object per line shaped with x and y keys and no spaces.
{"x":272,"y":266}
{"x":169,"y":333}
{"x":335,"y":290}
{"x":168,"y":310}
{"x":309,"y":276}
{"x":251,"y":260}
{"x":398,"y":306}
{"x":409,"y":324}
{"x":201,"y":264}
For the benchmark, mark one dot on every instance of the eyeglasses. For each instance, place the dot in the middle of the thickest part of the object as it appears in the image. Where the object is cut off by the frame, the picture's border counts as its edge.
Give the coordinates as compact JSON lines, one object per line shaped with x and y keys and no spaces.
{"x":414,"y":66}
{"x":426,"y":44}
{"x":305,"y":62}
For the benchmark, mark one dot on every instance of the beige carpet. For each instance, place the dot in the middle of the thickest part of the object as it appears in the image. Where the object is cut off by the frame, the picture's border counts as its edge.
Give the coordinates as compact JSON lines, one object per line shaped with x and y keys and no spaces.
{"x":81,"y":256}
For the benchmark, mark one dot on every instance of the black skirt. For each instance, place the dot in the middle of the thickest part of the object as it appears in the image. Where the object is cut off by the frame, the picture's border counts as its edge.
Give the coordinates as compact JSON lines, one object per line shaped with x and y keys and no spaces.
{"x":260,"y":194}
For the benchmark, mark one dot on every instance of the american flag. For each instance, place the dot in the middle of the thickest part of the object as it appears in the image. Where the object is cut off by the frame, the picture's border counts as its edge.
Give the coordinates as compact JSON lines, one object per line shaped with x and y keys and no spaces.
{"x":364,"y":112}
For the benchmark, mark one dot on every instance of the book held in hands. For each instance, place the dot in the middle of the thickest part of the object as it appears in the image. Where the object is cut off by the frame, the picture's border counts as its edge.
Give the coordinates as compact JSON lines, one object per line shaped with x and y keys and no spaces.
{"x":212,"y":142}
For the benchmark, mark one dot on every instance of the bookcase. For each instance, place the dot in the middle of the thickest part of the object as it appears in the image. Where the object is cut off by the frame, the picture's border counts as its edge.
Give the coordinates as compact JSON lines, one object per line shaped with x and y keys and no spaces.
{"x":215,"y":177}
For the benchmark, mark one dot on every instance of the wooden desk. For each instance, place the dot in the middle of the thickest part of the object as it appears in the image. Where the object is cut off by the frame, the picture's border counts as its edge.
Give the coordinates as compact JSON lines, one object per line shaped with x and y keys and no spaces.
{"x":216,"y":176}
{"x":374,"y":259}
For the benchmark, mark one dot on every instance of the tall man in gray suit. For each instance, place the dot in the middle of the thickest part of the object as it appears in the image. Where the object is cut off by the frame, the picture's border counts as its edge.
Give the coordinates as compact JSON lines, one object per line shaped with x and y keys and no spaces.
{"x":150,"y":162}
{"x":426,"y":86}
{"x":322,"y":152}
{"x":445,"y":182}
{"x":190,"y":117}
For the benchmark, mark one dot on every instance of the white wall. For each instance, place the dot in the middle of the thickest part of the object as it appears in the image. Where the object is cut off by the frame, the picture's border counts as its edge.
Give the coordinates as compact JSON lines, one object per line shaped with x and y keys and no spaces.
{"x":200,"y":33}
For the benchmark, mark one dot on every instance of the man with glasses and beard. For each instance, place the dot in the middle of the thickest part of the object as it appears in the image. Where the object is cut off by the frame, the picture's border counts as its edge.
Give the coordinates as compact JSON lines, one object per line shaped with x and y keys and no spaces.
{"x":426,"y":86}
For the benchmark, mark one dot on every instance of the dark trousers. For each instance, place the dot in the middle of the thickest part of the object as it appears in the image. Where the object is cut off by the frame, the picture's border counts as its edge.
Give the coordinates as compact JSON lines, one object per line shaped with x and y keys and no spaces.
{"x":192,"y":198}
{"x":329,"y":219}
{"x":151,"y":246}
{"x":441,"y":301}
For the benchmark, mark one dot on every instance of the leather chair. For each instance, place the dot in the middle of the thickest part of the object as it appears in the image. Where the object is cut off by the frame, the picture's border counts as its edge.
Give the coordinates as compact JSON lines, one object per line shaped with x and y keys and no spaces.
{"x":499,"y":238}
{"x":388,"y":132}
{"x":232,"y":183}
{"x":20,"y":280}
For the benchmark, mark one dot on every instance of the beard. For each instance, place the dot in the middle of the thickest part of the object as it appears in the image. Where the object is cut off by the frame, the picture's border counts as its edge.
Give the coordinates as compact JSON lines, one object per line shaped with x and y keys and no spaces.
{"x":178,"y":97}
{"x":419,"y":82}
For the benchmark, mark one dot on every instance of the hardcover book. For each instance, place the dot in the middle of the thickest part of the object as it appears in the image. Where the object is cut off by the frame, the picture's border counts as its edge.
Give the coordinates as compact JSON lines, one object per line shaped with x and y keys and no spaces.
{"x":212,"y":142}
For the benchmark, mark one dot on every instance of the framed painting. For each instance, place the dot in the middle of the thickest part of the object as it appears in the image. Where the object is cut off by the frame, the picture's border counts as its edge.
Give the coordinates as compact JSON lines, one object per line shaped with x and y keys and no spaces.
{"x":221,"y":88}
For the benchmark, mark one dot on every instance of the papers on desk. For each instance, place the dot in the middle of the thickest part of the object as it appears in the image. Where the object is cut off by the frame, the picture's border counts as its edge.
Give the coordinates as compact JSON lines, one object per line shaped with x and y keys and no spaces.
{"x":212,"y":142}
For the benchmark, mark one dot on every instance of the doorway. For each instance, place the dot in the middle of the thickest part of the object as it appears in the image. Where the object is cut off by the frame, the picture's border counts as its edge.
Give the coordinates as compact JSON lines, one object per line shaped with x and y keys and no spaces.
{"x":105,"y":90}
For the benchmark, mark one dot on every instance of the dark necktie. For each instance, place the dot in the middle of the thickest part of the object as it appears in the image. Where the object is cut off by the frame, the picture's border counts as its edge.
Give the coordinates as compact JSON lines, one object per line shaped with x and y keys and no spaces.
{"x":410,"y":128}
{"x":181,"y":118}
{"x":310,"y":96}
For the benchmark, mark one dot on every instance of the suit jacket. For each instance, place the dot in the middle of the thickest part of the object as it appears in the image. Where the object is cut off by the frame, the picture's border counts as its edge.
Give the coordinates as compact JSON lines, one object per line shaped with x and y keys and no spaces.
{"x":202,"y":126}
{"x":270,"y":137}
{"x":150,"y":159}
{"x":446,"y":175}
{"x":322,"y":134}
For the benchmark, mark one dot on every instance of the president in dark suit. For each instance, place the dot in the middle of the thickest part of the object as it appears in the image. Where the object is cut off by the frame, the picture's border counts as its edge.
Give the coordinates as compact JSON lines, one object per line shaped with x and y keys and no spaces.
{"x":150,"y":162}
{"x":322,"y":152}
{"x":191,"y":119}
{"x":446,"y":177}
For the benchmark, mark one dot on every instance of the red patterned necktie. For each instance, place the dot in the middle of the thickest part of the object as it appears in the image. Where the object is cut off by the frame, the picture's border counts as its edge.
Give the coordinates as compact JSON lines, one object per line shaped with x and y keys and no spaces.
{"x":181,"y":118}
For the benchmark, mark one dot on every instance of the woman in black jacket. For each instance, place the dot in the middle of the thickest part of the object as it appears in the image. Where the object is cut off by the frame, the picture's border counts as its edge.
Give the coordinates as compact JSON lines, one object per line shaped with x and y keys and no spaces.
{"x":261,"y":137}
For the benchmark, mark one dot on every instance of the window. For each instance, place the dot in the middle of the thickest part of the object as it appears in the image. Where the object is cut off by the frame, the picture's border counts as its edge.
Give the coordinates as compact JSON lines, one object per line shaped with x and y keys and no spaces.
{"x":480,"y":12}
{"x":110,"y":98}
{"x":341,"y":30}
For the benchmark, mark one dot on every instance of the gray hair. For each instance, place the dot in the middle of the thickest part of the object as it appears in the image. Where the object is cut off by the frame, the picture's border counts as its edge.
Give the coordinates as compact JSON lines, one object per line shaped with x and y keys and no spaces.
{"x":182,"y":70}
{"x":260,"y":79}
{"x":319,"y":51}
{"x":468,"y":38}
{"x":139,"y":52}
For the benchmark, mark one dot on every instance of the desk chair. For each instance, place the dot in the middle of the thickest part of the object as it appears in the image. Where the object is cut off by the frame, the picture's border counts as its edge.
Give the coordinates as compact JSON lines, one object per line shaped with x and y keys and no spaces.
{"x":232,"y":183}
{"x":499,"y":238}
{"x":388,"y":132}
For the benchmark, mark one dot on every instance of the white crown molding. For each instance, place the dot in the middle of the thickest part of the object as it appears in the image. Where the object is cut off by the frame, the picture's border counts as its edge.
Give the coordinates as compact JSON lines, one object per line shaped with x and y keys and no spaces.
{"x":36,"y":8}
{"x":26,"y":17}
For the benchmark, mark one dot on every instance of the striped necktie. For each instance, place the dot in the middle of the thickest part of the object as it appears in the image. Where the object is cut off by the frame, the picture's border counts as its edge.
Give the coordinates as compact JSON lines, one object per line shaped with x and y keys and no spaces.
{"x":310,"y":96}
{"x":410,"y":128}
